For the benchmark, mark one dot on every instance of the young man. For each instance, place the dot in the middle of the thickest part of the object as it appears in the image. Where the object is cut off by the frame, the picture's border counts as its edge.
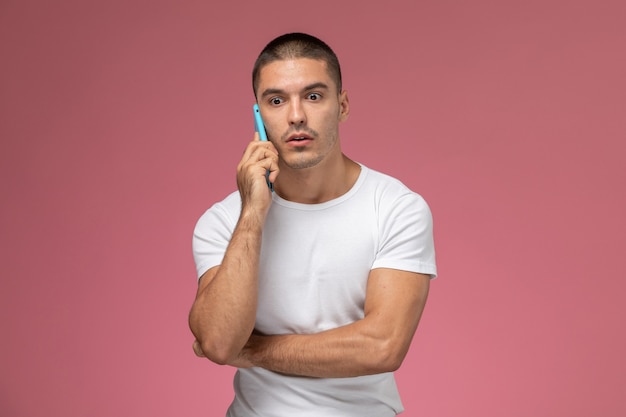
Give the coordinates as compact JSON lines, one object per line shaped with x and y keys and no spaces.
{"x":313,"y":291}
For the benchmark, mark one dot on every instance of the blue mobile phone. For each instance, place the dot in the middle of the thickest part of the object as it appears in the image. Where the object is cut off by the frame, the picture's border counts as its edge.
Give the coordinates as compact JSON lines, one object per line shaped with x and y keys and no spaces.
{"x":260,"y":127}
{"x":258,"y":123}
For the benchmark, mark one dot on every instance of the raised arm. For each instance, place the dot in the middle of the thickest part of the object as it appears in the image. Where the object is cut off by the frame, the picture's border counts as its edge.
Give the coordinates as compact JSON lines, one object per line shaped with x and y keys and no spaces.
{"x":375,"y":344}
{"x":223,"y":314}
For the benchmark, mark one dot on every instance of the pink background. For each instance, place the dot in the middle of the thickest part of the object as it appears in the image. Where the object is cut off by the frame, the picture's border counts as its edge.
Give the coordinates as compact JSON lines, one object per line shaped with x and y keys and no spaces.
{"x":121,"y":122}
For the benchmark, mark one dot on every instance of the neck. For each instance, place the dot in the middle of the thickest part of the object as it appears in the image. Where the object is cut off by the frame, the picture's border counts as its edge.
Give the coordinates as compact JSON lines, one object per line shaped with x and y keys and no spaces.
{"x":324,"y":182}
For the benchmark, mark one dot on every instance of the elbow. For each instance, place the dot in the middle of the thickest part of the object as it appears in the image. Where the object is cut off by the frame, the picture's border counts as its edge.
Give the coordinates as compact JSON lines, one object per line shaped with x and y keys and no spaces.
{"x":390,"y":364}
{"x":210,"y":345}
{"x":389,"y":357}
{"x":393,"y":364}
{"x":219,"y":353}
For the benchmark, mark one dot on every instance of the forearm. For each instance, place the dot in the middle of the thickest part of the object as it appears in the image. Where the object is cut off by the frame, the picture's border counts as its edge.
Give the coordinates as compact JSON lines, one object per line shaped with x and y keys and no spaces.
{"x":352,"y":350}
{"x":224,"y":311}
{"x":375,"y":344}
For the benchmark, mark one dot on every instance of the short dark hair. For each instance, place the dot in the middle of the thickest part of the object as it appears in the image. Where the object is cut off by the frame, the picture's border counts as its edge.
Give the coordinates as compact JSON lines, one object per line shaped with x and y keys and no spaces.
{"x":297,"y":45}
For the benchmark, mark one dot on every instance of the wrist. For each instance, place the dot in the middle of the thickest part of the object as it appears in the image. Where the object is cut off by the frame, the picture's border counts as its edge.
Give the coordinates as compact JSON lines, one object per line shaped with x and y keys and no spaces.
{"x":252,"y":219}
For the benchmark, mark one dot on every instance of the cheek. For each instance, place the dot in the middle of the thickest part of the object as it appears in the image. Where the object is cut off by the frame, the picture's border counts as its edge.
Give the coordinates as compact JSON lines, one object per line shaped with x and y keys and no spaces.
{"x":331,"y":120}
{"x":273,"y":129}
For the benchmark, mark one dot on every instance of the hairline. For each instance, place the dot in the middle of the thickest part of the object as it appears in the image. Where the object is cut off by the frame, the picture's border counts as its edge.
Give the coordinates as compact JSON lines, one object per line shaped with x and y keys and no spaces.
{"x":293,"y":46}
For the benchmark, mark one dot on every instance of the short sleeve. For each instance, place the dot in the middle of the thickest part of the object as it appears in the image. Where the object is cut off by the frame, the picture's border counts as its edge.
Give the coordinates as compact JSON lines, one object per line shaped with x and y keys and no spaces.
{"x":406,"y":235}
{"x":213,"y":232}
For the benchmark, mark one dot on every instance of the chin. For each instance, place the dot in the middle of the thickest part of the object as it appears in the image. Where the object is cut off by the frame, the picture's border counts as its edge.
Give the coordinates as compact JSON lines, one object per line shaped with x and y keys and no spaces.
{"x":304,"y":163}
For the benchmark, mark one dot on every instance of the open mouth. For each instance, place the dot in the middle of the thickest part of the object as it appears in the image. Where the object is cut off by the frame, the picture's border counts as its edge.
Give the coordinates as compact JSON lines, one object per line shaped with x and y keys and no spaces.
{"x":299,"y":137}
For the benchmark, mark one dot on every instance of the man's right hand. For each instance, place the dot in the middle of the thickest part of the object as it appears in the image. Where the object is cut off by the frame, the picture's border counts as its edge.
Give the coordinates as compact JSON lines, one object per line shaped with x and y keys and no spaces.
{"x":258,"y":158}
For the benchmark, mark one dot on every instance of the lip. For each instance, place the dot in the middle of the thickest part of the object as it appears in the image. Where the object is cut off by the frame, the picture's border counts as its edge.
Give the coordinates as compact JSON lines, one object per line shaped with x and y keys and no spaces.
{"x":299,"y":139}
{"x":297,"y":135}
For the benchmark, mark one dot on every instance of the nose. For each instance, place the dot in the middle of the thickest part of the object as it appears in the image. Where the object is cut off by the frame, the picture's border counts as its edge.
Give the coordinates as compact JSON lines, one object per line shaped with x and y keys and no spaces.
{"x":297,"y":115}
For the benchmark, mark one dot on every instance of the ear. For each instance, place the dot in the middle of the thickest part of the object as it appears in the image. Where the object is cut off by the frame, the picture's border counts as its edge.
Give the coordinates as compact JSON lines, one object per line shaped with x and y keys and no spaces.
{"x":344,"y":106}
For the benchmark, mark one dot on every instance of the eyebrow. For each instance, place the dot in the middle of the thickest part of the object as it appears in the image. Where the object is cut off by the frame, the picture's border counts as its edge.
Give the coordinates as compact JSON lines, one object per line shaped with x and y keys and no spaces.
{"x":314,"y":86}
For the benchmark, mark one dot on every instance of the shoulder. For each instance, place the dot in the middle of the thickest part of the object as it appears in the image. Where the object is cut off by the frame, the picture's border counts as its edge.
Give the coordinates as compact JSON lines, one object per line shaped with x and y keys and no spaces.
{"x":390,"y":191}
{"x":225,"y":211}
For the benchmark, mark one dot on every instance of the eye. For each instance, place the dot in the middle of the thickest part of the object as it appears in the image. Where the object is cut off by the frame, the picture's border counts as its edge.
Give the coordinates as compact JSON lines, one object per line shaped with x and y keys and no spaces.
{"x":315,"y":96}
{"x":276,"y":100}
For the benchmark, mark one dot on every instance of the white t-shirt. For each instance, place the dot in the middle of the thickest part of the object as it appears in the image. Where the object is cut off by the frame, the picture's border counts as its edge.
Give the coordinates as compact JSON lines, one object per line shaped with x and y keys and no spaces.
{"x":315,"y":262}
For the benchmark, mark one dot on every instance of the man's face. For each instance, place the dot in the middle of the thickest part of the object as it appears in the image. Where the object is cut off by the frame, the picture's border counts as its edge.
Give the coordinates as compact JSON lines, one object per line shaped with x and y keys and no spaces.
{"x":302,"y":109}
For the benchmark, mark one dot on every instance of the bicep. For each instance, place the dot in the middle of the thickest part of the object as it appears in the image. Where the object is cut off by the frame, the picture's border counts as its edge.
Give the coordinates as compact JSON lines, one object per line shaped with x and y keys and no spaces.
{"x":394,"y":303}
{"x":206,"y":278}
